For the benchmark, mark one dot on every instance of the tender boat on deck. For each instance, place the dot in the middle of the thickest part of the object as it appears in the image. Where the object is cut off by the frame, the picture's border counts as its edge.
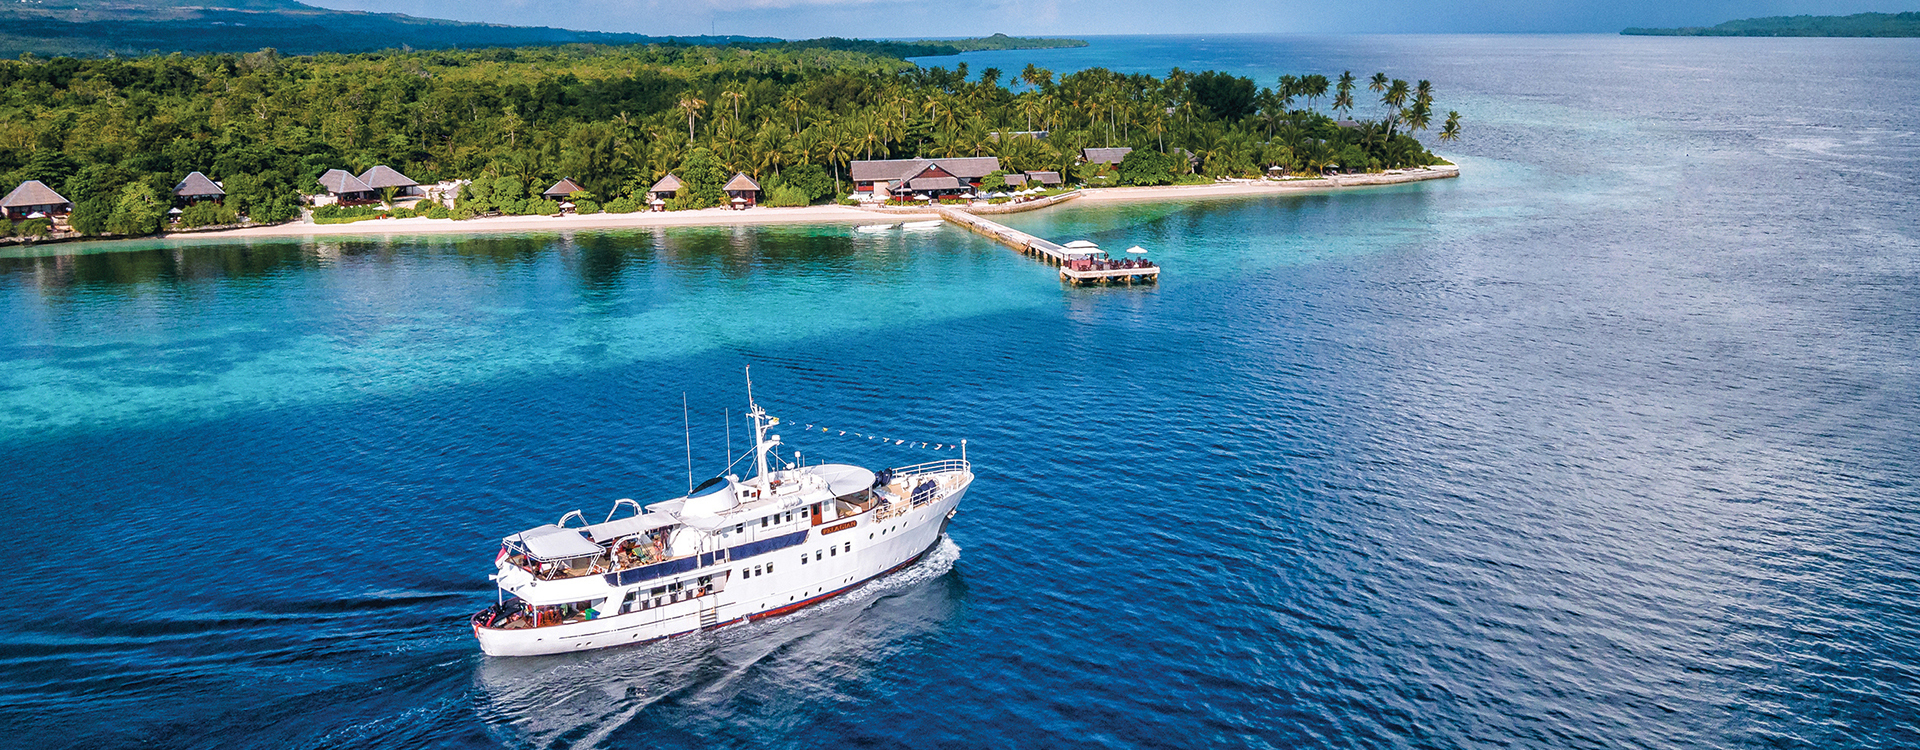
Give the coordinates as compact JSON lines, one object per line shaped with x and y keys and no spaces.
{"x":730,"y":551}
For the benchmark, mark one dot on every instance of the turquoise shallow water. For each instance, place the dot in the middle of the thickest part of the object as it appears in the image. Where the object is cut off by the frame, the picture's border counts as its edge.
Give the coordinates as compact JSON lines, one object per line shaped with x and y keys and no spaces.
{"x":1607,"y":443}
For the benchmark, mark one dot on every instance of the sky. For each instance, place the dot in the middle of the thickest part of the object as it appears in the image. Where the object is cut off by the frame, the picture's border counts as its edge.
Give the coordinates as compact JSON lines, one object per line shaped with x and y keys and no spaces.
{"x":892,"y":19}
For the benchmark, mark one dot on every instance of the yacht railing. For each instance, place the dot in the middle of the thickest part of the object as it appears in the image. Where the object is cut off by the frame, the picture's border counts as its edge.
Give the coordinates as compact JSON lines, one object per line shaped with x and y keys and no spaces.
{"x":934,"y":467}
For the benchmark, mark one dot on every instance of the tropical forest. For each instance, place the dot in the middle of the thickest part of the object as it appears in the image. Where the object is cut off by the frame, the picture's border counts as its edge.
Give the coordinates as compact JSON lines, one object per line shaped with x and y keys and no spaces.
{"x":115,"y":135}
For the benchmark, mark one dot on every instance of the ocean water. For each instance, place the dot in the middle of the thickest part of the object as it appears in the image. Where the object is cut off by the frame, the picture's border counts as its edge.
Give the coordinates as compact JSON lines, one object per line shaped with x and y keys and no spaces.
{"x":1608,"y":443}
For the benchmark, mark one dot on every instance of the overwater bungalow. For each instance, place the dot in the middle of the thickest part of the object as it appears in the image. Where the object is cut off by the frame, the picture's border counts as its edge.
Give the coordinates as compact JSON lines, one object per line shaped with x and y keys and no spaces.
{"x":34,"y":200}
{"x":742,"y":191}
{"x":196,"y":188}
{"x":924,"y":176}
{"x":344,"y":188}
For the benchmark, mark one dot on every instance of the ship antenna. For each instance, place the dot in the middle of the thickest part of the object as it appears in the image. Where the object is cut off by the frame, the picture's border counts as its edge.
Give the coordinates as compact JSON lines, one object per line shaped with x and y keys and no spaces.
{"x":686,"y":430}
{"x":729,"y":413}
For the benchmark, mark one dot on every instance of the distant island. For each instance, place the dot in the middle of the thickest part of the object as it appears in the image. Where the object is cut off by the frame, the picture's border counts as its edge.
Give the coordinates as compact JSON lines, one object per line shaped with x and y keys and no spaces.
{"x":1002,"y":41}
{"x":1857,"y":25}
{"x":130,"y":28}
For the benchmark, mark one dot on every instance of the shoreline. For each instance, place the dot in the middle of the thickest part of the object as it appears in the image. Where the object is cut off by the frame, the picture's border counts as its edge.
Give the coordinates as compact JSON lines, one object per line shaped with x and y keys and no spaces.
{"x":830,"y":214}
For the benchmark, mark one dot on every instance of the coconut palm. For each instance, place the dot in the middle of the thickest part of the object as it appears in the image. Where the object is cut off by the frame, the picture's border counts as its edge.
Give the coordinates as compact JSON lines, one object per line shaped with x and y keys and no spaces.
{"x":794,"y":105}
{"x":736,"y":96}
{"x":1377,"y":83}
{"x":1451,"y":131}
{"x":1343,"y":92}
{"x":1313,"y":87}
{"x":691,"y":105}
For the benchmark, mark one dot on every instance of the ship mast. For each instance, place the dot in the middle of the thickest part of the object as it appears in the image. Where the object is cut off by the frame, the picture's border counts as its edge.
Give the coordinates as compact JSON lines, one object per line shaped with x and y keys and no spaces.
{"x":760,"y":443}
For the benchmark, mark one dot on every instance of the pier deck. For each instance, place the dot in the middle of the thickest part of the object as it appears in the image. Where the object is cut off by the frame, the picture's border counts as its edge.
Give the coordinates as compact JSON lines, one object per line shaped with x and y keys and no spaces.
{"x":1049,"y":251}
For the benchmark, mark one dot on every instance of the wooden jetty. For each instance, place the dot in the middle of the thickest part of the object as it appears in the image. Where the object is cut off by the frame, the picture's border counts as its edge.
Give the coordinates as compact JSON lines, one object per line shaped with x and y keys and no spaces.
{"x":1074,"y":265}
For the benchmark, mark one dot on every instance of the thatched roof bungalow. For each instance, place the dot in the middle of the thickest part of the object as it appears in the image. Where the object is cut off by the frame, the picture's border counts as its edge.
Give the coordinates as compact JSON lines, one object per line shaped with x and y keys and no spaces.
{"x":381,"y":176}
{"x":666,"y":188}
{"x":196,"y":188}
{"x":1099,"y":156}
{"x":742,"y":191}
{"x":1044,"y":178}
{"x":562,"y":189}
{"x":341,"y":185}
{"x":34,"y":197}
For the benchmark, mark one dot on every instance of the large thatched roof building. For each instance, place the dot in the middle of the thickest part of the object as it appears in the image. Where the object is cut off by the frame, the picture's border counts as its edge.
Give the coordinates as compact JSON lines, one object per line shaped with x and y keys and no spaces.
{"x":196,"y":188}
{"x":34,"y":197}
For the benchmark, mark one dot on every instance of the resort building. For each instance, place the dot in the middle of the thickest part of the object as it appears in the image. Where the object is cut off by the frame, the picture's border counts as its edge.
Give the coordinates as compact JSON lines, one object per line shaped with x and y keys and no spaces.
{"x":742,"y":191}
{"x":382,"y":176}
{"x":1044,"y":178}
{"x":34,"y":200}
{"x":664,"y":190}
{"x":344,"y":188}
{"x":1015,"y":179}
{"x":881,"y":178}
{"x":197,"y":188}
{"x":1104,"y":156}
{"x":562,"y":189}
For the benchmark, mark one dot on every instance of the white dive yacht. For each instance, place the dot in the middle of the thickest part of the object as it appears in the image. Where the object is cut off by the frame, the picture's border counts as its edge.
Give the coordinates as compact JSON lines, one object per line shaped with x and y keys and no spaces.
{"x":732,"y":550}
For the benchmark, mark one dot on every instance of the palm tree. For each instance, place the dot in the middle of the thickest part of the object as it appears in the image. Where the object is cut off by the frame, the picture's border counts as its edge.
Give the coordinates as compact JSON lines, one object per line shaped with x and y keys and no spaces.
{"x":833,"y":145}
{"x":1343,"y":92}
{"x":736,"y":97}
{"x":1451,"y":131}
{"x":691,"y":105}
{"x":1288,"y":89}
{"x":1030,"y":106}
{"x":1378,"y":83}
{"x":1313,"y":87}
{"x":795,"y":105}
{"x":870,"y":132}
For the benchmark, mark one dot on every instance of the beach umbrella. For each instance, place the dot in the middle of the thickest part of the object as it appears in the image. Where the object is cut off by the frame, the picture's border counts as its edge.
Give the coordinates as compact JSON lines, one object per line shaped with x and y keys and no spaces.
{"x":174,"y":212}
{"x":1083,"y":245}
{"x":36,"y":215}
{"x":567,"y":204}
{"x":1137,"y":250}
{"x":925,"y":197}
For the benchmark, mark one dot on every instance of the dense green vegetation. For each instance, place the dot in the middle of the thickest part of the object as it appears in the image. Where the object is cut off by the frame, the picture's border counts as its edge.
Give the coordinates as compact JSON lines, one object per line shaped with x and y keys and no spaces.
{"x":92,"y":28}
{"x":115,"y":135}
{"x":1002,"y":41}
{"x":1859,"y":24}
{"x":95,"y":28}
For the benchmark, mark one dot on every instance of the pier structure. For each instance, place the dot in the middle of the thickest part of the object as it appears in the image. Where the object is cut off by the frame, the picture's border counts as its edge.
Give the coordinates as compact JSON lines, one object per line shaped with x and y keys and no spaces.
{"x":1077,"y":266}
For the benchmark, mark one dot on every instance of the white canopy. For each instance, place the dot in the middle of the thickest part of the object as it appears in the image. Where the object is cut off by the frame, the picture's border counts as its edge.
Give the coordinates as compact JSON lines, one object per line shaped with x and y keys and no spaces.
{"x":1083,"y":245}
{"x":552,"y":542}
{"x":1137,"y":250}
{"x":626,"y":527}
{"x":843,"y":479}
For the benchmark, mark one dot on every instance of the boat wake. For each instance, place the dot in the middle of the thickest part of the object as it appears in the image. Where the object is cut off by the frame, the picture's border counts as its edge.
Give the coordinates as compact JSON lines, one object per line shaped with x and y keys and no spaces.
{"x":587,"y":699}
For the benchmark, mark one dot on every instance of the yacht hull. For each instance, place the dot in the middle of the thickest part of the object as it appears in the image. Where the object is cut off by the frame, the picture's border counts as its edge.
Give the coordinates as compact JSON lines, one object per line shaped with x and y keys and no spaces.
{"x":840,"y":555}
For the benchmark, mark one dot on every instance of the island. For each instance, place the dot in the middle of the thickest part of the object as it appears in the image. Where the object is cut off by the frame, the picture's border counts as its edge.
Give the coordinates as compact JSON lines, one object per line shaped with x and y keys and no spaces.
{"x":1856,"y":25}
{"x":94,"y":28}
{"x":577,"y":136}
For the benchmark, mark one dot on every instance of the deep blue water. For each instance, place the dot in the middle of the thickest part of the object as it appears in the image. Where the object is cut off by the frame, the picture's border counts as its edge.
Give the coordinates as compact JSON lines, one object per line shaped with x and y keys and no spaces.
{"x":1607,"y":444}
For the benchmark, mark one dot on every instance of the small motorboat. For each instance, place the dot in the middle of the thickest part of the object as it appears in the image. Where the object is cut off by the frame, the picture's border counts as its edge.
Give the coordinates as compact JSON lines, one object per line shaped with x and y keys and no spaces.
{"x":870,"y":228}
{"x":933,"y":224}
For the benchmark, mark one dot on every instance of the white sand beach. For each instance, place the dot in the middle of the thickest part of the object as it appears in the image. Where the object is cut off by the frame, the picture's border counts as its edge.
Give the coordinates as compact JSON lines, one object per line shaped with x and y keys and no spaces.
{"x":807,"y":215}
{"x":705,"y":217}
